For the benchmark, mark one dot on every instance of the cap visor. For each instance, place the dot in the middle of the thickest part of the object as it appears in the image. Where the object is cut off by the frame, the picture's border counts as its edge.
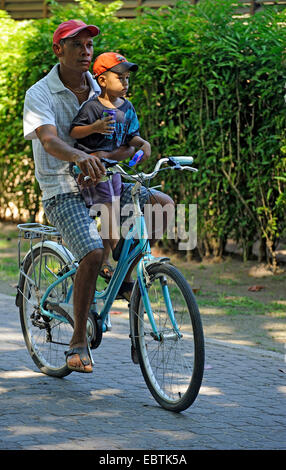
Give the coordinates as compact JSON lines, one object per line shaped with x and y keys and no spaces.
{"x":94,"y":31}
{"x":123,"y":67}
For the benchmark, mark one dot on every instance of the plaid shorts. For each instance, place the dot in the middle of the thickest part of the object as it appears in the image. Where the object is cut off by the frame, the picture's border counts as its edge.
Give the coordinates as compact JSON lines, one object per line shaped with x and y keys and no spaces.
{"x":69,"y":214}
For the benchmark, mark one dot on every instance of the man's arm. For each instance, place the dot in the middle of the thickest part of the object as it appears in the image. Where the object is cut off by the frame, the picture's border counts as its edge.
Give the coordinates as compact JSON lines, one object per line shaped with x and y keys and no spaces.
{"x":90,"y":165}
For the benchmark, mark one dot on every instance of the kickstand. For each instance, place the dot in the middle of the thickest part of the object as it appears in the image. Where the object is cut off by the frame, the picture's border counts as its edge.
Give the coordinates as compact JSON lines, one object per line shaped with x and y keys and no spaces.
{"x":90,"y":355}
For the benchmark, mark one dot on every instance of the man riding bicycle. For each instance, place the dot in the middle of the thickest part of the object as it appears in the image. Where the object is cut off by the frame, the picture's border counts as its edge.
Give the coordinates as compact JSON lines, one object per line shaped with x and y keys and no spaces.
{"x":49,"y":108}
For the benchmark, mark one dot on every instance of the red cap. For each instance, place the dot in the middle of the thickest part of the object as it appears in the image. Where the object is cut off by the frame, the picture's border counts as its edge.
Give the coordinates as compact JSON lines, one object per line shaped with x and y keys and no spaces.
{"x":112,"y":61}
{"x":71,"y":28}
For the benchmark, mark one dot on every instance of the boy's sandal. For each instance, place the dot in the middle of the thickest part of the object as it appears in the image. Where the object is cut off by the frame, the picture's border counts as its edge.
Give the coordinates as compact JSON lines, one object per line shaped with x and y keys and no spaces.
{"x":82,"y":352}
{"x":106,"y":271}
{"x":125,"y":290}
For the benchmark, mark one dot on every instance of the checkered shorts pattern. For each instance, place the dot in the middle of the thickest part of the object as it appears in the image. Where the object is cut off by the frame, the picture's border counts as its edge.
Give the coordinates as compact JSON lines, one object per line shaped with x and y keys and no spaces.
{"x":69,"y":214}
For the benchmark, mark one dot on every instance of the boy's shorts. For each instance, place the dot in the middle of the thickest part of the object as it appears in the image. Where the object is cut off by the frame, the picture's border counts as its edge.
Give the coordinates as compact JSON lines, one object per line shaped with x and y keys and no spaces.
{"x":103,"y":192}
{"x":69,"y":214}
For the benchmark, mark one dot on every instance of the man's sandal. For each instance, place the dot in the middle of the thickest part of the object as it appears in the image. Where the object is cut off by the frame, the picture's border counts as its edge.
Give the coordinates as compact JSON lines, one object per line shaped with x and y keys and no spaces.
{"x":82,"y":352}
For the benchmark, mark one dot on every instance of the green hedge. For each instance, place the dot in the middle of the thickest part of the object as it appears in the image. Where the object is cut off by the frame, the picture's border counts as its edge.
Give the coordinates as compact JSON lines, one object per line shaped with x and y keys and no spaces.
{"x":209,"y":85}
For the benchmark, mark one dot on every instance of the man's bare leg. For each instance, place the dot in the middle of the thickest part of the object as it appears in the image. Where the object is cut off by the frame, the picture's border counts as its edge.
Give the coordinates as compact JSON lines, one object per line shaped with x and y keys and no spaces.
{"x":84,"y":288}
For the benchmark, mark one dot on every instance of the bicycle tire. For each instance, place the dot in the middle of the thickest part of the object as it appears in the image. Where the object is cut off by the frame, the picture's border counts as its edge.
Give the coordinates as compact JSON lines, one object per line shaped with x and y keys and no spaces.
{"x":46,"y":339}
{"x":172,"y":366}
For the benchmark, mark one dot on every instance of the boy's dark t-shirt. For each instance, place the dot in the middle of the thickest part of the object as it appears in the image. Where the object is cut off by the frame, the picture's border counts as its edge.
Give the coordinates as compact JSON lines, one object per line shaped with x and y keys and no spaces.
{"x":126,"y":126}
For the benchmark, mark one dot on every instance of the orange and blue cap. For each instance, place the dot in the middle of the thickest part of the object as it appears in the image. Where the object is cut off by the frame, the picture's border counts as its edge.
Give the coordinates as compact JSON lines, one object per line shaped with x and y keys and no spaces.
{"x":112,"y":61}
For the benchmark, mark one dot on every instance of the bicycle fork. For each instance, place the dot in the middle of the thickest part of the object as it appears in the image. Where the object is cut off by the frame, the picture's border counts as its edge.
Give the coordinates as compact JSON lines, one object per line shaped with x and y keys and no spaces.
{"x":144,"y":281}
{"x":144,"y":278}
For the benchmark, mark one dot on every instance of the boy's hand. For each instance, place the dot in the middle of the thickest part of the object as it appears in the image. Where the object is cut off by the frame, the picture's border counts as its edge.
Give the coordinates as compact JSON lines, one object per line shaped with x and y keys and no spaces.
{"x":104,"y":126}
{"x":146,"y":147}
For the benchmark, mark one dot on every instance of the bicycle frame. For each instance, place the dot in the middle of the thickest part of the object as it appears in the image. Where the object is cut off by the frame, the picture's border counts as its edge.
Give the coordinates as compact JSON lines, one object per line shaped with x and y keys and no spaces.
{"x":110,"y":293}
{"x":126,"y":258}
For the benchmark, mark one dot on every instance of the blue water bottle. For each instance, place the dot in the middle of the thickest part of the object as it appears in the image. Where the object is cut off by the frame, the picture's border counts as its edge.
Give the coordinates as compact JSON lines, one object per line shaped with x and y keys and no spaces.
{"x":112,"y":113}
{"x":137,"y":157}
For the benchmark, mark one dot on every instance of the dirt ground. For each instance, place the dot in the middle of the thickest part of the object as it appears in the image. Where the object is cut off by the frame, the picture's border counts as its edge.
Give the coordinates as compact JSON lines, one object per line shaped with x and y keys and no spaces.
{"x":230,"y":311}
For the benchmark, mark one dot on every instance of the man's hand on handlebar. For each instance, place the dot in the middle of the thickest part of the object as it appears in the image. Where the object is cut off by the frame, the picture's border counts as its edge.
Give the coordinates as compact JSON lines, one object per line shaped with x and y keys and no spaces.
{"x":90,"y":165}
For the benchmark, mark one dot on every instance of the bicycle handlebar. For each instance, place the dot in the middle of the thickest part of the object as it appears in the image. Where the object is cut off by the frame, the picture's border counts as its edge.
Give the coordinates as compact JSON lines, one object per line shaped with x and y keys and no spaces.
{"x":175,"y":163}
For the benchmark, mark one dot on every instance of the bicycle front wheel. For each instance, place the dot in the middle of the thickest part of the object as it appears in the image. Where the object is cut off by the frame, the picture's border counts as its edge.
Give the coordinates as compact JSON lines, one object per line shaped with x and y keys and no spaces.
{"x":46,"y":338}
{"x":172,"y":363}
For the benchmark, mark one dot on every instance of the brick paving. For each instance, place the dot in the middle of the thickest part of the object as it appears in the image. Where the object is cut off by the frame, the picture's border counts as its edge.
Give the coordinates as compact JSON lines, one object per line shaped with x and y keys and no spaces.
{"x":241,"y":404}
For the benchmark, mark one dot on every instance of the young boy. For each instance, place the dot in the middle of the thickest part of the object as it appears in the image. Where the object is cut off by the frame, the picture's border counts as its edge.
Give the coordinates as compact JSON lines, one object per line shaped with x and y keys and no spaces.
{"x":95,"y":132}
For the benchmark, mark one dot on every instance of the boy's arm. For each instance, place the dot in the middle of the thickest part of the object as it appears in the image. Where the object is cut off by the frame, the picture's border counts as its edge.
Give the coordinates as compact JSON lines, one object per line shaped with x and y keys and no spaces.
{"x":118,"y":154}
{"x":100,"y":126}
{"x":141,"y":144}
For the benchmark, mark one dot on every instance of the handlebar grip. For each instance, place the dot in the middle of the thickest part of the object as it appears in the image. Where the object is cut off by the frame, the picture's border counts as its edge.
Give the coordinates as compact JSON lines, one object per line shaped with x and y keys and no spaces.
{"x":137,"y":157}
{"x":76,"y":170}
{"x":183,"y":160}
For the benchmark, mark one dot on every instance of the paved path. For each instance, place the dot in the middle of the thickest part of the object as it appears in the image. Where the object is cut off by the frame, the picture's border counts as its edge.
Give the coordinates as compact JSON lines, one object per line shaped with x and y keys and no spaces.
{"x":241,"y":404}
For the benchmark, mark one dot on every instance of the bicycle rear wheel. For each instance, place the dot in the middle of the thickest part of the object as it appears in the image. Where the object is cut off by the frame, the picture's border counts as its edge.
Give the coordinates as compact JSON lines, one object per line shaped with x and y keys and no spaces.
{"x":46,"y":338}
{"x":173,"y":364}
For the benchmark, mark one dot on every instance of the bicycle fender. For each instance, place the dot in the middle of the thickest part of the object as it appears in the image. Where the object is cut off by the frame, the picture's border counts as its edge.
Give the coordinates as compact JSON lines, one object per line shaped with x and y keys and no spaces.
{"x":131,"y":315}
{"x":160,"y":260}
{"x":148,"y":265}
{"x":57,"y":247}
{"x":60,"y":249}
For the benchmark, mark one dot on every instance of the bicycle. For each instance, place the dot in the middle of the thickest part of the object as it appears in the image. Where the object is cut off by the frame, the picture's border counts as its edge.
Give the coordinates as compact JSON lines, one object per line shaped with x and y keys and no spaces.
{"x":165,"y":326}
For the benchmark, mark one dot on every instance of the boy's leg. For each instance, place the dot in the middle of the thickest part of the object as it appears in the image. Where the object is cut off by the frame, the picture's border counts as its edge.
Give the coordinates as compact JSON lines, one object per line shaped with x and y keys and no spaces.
{"x":104,"y":221}
{"x":106,"y":251}
{"x":152,"y":197}
{"x":110,"y":237}
{"x":113,"y":234}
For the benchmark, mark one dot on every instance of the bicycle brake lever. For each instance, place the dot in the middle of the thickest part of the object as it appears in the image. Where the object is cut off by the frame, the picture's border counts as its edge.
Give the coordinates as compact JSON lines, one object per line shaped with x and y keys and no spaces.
{"x":109,"y":163}
{"x":173,"y":164}
{"x":104,"y":178}
{"x":77,"y":170}
{"x":189,"y":168}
